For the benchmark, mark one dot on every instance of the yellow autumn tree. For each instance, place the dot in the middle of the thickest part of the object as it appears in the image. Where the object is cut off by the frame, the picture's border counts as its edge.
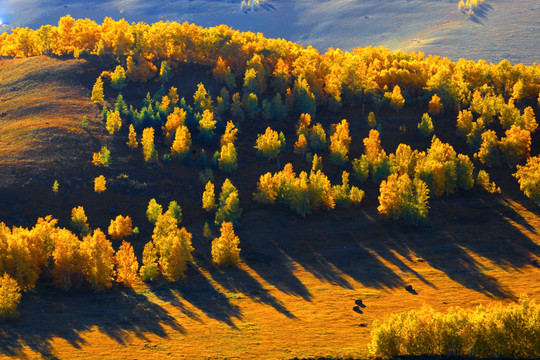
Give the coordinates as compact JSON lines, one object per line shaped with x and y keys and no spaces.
{"x":225,"y":250}
{"x":268,"y":144}
{"x":132,"y":138}
{"x":209,"y":197}
{"x":10,"y":297}
{"x":100,"y":184}
{"x":120,"y":227}
{"x":79,"y":221}
{"x":69,"y":262}
{"x":99,"y":260}
{"x":339,"y":143}
{"x":176,"y":119}
{"x":230,"y":134}
{"x":182,"y":142}
{"x":97,"y":91}
{"x":149,"y":149}
{"x":127,"y":267}
{"x":435,"y":107}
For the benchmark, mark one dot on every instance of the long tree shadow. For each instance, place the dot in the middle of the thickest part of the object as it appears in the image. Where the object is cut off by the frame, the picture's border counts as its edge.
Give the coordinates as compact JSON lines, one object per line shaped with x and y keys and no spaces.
{"x":51,"y":314}
{"x":199,"y":292}
{"x":332,"y":245}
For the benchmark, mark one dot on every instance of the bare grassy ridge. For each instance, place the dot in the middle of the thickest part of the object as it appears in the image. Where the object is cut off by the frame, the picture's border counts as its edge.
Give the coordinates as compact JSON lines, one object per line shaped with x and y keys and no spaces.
{"x":293,"y":294}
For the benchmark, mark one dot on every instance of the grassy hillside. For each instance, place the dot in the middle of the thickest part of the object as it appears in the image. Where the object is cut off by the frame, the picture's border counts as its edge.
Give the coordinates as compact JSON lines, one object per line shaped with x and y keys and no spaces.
{"x":293,"y":293}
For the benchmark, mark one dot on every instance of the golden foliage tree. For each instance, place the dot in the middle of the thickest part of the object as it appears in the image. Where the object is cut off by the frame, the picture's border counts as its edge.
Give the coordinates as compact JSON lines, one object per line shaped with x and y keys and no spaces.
{"x":209,"y":197}
{"x":174,"y":121}
{"x":426,"y":125}
{"x":127,"y":267}
{"x":339,"y":143}
{"x":149,"y":149}
{"x":149,"y":270}
{"x":10,"y":297}
{"x":99,"y":260}
{"x":230,"y":134}
{"x":229,"y":204}
{"x":268,"y":144}
{"x":516,"y":145}
{"x":182,"y":142}
{"x":100,"y":184}
{"x":120,"y":227}
{"x":69,"y":261}
{"x":79,"y":221}
{"x":132,"y":138}
{"x":228,"y":158}
{"x":435,"y":106}
{"x":153,"y":211}
{"x":97,"y":91}
{"x":528,"y":177}
{"x":225,"y":250}
{"x":401,"y":197}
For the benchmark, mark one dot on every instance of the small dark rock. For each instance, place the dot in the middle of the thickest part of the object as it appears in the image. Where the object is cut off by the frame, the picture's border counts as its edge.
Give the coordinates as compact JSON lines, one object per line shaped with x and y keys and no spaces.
{"x":362,"y":325}
{"x":357,"y":309}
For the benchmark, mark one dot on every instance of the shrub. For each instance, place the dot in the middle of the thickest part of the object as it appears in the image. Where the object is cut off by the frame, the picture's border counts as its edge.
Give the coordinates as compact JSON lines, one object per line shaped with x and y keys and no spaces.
{"x":511,"y":331}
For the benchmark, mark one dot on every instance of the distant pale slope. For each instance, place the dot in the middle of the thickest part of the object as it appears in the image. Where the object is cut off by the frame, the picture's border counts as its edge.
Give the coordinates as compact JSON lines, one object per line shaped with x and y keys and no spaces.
{"x":499,"y":29}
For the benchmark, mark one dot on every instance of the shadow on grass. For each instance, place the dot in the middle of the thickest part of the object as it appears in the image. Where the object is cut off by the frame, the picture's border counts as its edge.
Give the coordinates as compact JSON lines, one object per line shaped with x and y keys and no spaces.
{"x":53,"y":314}
{"x":344,"y":243}
{"x":199,"y":292}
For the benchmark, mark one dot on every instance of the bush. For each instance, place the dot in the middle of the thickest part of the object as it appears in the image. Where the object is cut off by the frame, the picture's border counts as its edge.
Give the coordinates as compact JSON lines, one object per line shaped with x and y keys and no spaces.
{"x":511,"y":331}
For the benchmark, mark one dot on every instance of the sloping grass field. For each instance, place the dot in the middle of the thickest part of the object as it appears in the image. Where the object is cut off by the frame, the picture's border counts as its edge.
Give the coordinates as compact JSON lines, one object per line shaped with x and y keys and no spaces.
{"x":293,"y":293}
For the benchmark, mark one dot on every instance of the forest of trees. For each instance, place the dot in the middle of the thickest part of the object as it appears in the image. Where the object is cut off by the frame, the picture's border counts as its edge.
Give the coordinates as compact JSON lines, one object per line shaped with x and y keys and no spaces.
{"x":267,"y":81}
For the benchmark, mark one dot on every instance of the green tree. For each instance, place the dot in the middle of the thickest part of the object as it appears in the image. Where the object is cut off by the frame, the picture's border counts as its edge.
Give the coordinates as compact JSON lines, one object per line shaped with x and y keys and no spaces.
{"x":228,"y":158}
{"x":165,"y":72}
{"x":426,"y":125}
{"x":489,"y":150}
{"x":229,"y":205}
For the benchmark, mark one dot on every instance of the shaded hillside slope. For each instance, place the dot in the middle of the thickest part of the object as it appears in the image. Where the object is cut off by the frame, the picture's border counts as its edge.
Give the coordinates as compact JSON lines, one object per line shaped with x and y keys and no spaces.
{"x":42,"y":103}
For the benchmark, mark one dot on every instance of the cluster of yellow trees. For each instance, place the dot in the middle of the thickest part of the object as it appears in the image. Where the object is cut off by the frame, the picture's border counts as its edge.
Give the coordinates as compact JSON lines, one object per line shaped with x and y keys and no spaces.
{"x":305,"y":193}
{"x":301,"y":74}
{"x":493,"y":331}
{"x":86,"y":256}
